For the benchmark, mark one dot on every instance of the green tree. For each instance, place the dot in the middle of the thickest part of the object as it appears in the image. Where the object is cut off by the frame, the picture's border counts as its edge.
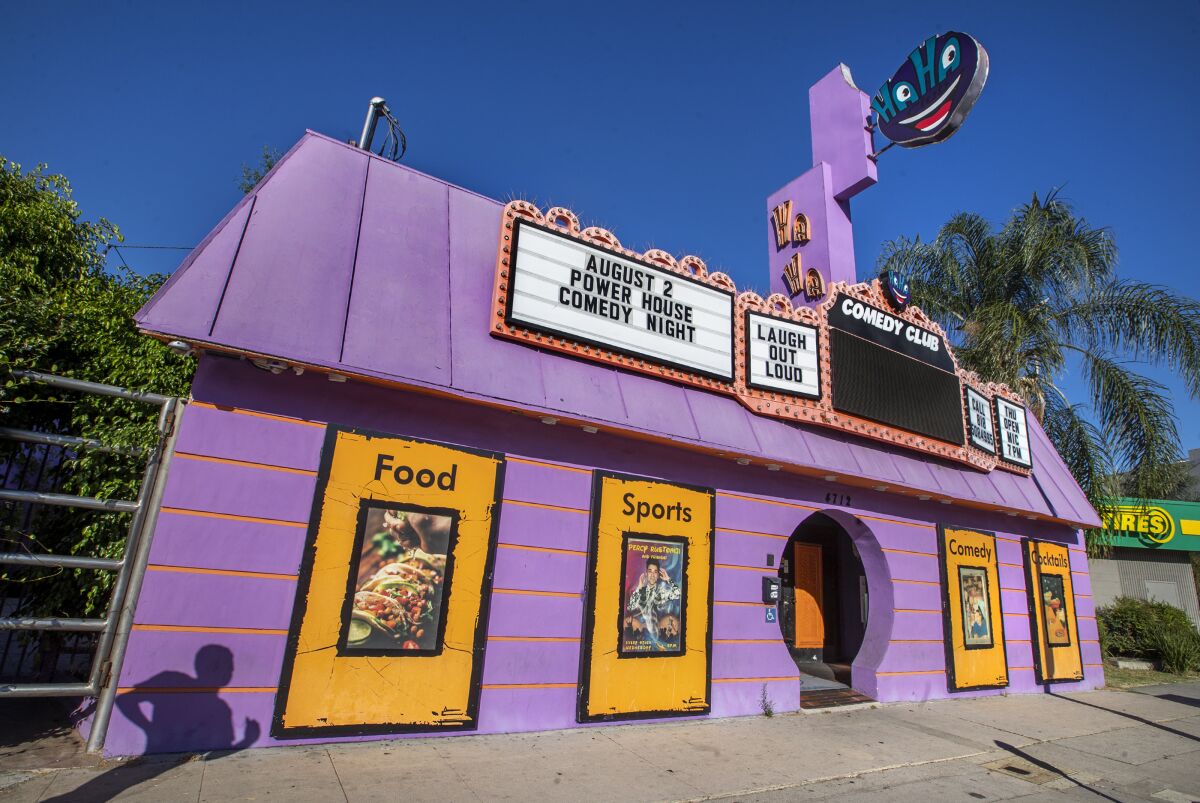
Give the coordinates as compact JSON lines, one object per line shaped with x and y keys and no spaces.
{"x":1027,"y":302}
{"x":252,"y":175}
{"x":63,"y":311}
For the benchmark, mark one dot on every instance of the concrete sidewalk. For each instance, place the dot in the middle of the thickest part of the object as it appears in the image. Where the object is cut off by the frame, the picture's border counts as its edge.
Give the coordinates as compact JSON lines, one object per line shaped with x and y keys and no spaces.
{"x":1104,"y":745}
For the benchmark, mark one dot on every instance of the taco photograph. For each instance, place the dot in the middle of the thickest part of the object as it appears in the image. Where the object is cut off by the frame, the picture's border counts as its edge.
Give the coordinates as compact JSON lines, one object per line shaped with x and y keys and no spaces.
{"x":397,"y":601}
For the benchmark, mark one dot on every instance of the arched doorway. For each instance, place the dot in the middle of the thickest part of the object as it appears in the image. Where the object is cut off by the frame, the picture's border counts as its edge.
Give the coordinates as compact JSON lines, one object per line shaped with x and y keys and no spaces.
{"x":824,"y":606}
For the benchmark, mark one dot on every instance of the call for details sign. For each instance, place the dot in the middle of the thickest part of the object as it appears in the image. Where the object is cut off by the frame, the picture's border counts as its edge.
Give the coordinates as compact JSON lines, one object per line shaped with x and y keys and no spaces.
{"x":600,"y":297}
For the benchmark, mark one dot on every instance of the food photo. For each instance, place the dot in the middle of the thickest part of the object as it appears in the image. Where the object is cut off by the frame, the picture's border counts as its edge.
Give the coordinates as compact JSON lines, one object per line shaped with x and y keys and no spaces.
{"x":398,"y":597}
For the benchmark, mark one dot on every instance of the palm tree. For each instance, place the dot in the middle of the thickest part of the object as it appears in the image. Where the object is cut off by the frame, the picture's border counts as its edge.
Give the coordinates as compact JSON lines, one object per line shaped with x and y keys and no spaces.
{"x":1022,"y":304}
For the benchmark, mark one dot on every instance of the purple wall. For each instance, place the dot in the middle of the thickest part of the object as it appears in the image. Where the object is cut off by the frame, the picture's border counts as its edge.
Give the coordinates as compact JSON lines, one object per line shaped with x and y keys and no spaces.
{"x":227,"y":549}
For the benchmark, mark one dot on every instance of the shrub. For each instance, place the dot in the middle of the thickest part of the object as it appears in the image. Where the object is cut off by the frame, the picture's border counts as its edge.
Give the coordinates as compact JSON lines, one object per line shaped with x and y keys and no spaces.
{"x":1135,"y":628}
{"x":1179,"y":650}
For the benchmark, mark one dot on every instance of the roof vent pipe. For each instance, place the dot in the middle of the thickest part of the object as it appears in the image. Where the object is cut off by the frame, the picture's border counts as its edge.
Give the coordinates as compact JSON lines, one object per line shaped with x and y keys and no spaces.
{"x":378,"y":106}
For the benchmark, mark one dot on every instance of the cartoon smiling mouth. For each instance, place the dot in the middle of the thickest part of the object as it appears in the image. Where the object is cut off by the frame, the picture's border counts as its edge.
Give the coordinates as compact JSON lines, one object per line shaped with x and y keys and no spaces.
{"x":936,"y":114}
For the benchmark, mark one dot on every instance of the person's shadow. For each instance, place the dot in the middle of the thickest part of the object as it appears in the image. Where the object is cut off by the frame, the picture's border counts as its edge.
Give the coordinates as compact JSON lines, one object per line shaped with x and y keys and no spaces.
{"x":174,"y":716}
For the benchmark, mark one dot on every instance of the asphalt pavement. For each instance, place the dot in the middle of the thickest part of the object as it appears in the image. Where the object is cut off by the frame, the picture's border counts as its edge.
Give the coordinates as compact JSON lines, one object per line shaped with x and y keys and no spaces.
{"x":1140,"y":744}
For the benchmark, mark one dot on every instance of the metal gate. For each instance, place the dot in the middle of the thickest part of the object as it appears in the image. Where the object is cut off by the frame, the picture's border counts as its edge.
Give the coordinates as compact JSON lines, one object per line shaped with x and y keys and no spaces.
{"x":31,"y":483}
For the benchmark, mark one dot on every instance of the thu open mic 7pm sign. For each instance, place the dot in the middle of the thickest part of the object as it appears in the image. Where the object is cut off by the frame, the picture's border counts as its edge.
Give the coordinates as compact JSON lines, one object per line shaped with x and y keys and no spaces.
{"x":592,"y":295}
{"x":1014,"y":432}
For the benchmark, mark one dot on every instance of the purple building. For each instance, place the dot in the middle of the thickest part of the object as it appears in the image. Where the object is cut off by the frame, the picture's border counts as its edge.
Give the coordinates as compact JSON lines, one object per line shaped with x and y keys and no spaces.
{"x":438,"y":477}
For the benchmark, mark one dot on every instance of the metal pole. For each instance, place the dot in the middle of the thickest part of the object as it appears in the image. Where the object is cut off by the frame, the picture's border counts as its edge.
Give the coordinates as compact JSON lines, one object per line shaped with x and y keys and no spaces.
{"x":8,"y":690}
{"x":61,"y":561}
{"x":73,"y":625}
{"x":82,"y":386}
{"x":368,"y":132}
{"x":66,"y":500}
{"x":106,"y":672}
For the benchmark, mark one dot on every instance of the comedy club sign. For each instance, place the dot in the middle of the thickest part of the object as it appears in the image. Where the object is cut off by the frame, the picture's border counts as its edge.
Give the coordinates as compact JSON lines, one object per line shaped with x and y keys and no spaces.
{"x":890,"y":370}
{"x":863,"y":361}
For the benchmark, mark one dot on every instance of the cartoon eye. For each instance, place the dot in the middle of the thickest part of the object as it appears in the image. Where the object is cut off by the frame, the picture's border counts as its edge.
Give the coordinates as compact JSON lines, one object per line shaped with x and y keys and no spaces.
{"x":904,"y":93}
{"x":950,"y":56}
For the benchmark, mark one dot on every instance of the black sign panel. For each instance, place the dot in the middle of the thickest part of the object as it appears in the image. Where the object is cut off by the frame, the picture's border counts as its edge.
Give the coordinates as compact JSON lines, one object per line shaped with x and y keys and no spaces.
{"x":887,"y":330}
{"x":888,"y":370}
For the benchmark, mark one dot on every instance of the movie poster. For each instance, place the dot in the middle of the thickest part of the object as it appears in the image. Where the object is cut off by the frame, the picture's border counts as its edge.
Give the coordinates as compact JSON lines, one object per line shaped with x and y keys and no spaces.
{"x":653,"y":597}
{"x":398,"y":586}
{"x":977,"y":605}
{"x":1054,"y":608}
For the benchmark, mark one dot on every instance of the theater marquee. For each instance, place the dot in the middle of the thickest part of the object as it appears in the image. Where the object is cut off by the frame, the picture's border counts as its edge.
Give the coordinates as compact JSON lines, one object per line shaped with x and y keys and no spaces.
{"x":858,"y":362}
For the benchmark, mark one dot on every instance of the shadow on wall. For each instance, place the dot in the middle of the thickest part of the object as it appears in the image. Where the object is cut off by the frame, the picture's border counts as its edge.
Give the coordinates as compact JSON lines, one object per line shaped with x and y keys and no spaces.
{"x":165,"y":716}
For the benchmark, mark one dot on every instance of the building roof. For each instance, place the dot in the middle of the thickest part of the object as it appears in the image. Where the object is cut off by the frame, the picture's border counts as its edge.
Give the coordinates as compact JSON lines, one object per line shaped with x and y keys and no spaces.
{"x":343,"y":261}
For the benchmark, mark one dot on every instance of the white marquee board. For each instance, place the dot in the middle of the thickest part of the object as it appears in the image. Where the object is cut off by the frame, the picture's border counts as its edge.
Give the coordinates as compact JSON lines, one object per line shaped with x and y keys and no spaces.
{"x":1014,"y":433}
{"x":782,"y":356}
{"x":980,"y":429}
{"x":592,"y":295}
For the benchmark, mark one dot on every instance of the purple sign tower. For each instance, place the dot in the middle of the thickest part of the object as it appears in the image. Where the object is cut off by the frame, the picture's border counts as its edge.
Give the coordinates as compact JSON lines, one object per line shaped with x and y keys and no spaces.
{"x":808,"y":219}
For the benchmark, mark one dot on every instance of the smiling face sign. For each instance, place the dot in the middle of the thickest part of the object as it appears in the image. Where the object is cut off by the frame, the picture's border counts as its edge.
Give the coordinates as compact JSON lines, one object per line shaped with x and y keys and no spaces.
{"x":931,"y":94}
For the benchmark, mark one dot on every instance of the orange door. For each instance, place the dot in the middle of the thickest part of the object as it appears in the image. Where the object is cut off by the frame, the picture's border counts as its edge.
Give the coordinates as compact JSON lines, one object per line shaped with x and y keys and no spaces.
{"x":810,"y":618}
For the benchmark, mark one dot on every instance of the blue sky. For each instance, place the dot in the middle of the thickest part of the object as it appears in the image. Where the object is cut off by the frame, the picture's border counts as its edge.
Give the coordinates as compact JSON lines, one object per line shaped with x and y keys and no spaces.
{"x":668,"y":123}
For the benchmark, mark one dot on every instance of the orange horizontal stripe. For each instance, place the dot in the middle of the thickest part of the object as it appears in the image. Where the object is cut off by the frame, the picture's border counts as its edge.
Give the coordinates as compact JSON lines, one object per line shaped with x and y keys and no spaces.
{"x":227,"y":572}
{"x":754,"y":680}
{"x":1013,"y":565}
{"x":1016,"y":613}
{"x":916,"y":582}
{"x":1021,"y":590}
{"x":535,"y":593}
{"x":747,"y":641}
{"x":256,"y":414}
{"x":1021,"y":668}
{"x":232,"y":517}
{"x":543,"y":549}
{"x":530,"y":638}
{"x":796,"y":505}
{"x":198,"y":690}
{"x":751,"y":532}
{"x":529,"y":685}
{"x":1089,"y":641}
{"x":917,"y":524}
{"x":746,"y":568}
{"x":1095,"y":665}
{"x":245,"y":464}
{"x":909,"y":552}
{"x":1018,"y":641}
{"x":1082,"y":595}
{"x":198,"y":629}
{"x":916,"y":672}
{"x":1084,"y":617}
{"x":545,"y":507}
{"x":543,"y":463}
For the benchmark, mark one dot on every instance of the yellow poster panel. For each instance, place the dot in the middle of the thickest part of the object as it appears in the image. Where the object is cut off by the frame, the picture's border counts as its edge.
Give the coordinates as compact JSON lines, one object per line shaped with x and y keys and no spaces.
{"x":976,"y":656}
{"x":648,"y":622}
{"x":1056,"y":654}
{"x":389,"y":624}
